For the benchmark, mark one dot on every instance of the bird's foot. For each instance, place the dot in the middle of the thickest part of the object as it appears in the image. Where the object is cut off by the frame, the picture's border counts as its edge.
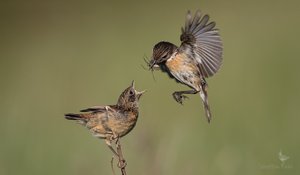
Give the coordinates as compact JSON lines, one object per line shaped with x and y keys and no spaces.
{"x":179,"y":97}
{"x":122,"y":163}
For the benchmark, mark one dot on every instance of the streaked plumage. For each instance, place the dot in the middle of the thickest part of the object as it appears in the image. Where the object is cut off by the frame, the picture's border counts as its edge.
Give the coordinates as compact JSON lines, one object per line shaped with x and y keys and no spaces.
{"x":112,"y":121}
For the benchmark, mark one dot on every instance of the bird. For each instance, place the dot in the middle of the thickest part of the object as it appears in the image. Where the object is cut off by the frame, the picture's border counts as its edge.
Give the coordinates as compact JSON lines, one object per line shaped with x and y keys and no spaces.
{"x":111,"y":122}
{"x":198,"y":57}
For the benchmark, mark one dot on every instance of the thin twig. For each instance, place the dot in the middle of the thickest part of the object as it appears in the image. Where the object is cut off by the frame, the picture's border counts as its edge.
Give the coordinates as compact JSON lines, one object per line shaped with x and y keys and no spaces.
{"x":112,"y":165}
{"x":122,"y":163}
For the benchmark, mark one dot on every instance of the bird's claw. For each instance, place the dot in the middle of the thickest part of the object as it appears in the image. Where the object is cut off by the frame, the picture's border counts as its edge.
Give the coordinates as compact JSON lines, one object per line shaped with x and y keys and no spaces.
{"x":179,"y":97}
{"x":122,"y":164}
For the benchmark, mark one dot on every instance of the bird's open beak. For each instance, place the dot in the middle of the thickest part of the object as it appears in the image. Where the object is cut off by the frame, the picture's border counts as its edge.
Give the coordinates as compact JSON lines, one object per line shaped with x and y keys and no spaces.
{"x":139,"y":94}
{"x":132,"y":84}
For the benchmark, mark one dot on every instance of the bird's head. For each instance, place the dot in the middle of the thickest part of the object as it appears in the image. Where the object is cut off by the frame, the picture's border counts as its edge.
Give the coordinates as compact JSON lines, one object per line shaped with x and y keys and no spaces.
{"x":162,"y":51}
{"x":130,"y":97}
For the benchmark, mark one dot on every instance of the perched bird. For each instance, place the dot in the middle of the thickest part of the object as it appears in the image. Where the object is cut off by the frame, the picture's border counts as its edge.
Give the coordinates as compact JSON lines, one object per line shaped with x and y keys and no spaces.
{"x":198,"y":57}
{"x":111,"y":122}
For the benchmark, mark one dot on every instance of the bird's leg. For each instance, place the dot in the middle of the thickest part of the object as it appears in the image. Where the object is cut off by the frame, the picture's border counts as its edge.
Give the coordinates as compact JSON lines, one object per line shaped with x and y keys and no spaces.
{"x":110,"y":137}
{"x":114,"y":137}
{"x":203,"y":84}
{"x":108,"y":143}
{"x":179,"y":97}
{"x":122,"y":163}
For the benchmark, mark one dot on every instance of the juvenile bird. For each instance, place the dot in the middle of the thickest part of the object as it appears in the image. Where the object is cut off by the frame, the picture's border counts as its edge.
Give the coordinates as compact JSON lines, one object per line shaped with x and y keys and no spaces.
{"x":198,"y":57}
{"x":111,"y":122}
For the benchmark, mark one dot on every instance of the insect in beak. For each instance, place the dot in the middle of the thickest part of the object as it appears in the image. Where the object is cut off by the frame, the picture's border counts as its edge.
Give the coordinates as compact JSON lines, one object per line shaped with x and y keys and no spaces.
{"x":153,"y":65}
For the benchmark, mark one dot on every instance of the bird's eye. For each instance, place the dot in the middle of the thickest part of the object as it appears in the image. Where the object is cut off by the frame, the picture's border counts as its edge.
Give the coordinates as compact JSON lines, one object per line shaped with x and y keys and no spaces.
{"x":165,"y":56}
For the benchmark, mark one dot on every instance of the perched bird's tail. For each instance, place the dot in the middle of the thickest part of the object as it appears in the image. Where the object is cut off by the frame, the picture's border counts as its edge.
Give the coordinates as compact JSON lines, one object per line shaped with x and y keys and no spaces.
{"x":74,"y":116}
{"x":204,"y":97}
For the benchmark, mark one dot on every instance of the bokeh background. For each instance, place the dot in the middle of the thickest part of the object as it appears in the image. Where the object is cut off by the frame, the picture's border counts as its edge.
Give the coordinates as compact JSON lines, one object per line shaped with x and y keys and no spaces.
{"x":62,"y":56}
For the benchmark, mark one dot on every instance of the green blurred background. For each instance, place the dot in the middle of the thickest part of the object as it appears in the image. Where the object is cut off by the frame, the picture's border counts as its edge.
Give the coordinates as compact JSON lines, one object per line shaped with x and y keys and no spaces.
{"x":62,"y":56}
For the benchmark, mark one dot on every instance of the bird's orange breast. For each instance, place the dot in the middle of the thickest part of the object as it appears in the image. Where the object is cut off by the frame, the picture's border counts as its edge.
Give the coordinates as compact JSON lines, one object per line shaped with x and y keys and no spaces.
{"x":181,"y":63}
{"x":175,"y":64}
{"x":184,"y":69}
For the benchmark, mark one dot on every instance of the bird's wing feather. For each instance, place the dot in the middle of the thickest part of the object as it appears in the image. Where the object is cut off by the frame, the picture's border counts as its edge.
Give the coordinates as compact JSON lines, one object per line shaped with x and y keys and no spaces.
{"x":98,"y":108}
{"x":202,"y":43}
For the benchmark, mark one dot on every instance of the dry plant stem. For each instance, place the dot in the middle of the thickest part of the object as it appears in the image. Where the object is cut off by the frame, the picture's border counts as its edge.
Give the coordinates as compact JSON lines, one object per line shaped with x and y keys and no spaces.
{"x":112,"y":149}
{"x":112,"y":165}
{"x":122,"y":163}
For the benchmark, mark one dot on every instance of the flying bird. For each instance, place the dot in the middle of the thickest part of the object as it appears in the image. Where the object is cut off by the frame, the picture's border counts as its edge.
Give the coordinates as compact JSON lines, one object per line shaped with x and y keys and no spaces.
{"x":198,"y":57}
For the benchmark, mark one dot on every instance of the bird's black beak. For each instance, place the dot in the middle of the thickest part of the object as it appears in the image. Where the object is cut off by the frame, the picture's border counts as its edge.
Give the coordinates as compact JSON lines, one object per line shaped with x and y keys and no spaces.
{"x":151,"y":64}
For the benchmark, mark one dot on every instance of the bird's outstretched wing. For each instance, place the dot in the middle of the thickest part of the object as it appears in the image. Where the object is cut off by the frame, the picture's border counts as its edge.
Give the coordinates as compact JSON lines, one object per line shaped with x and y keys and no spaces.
{"x":202,"y":43}
{"x":98,"y":108}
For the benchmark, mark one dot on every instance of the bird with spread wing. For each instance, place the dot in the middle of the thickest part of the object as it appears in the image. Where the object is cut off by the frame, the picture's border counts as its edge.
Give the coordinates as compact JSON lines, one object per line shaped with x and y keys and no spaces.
{"x":198,"y":57}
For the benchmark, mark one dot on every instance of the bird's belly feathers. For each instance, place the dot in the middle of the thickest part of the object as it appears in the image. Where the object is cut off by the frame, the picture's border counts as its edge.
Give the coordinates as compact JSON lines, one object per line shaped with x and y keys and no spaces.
{"x":97,"y":125}
{"x":106,"y":124}
{"x":184,"y":70}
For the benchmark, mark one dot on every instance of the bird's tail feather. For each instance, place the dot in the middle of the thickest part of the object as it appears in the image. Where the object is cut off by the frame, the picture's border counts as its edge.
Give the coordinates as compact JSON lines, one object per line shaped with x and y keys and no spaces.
{"x":204,"y":97}
{"x":73,"y":116}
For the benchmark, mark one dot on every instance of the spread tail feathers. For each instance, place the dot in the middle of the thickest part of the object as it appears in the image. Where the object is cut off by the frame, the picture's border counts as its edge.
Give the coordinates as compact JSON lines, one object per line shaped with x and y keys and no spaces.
{"x":73,"y":116}
{"x":203,"y":95}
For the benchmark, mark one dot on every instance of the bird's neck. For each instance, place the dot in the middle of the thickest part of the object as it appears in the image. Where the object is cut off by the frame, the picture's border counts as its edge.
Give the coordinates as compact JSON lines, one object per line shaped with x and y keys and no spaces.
{"x":128,"y":107}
